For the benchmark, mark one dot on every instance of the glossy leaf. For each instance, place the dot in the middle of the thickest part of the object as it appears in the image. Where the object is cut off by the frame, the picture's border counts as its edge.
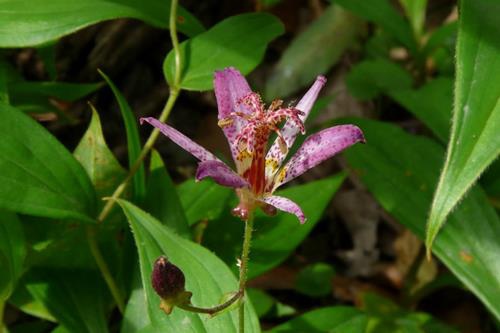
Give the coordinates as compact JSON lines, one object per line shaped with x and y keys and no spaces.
{"x":430,"y":103}
{"x":12,"y":252}
{"x":314,"y":51}
{"x":103,"y":169}
{"x":38,"y":175}
{"x":330,"y":319}
{"x":133,"y":140}
{"x":77,"y":299}
{"x":385,"y":15}
{"x":401,"y":170}
{"x":474,"y":141}
{"x":207,"y":277}
{"x":370,"y":78}
{"x":269,"y":246}
{"x":162,"y":200}
{"x":238,"y":41}
{"x":202,"y":200}
{"x":36,"y":22}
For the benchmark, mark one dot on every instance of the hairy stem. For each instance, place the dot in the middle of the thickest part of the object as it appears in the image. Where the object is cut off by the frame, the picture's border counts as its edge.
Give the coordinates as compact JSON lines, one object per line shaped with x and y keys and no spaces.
{"x":215,"y":309}
{"x":244,"y":268}
{"x":174,"y":93}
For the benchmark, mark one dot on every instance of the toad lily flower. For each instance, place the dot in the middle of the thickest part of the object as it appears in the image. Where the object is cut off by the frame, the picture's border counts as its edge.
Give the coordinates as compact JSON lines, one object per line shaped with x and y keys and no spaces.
{"x":247,"y":126}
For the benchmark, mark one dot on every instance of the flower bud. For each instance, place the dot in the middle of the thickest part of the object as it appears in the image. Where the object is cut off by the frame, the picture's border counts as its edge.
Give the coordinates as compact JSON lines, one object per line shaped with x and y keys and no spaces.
{"x":168,"y":282}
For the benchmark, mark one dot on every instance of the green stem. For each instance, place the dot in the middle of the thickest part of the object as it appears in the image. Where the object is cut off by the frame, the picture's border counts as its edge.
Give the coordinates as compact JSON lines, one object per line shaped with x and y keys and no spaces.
{"x":103,"y":267}
{"x":247,"y":238}
{"x":213,"y":310}
{"x":174,"y":93}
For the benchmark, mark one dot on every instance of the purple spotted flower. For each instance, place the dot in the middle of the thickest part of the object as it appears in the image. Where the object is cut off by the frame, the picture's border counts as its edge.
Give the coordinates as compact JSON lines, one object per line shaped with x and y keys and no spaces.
{"x":247,"y":126}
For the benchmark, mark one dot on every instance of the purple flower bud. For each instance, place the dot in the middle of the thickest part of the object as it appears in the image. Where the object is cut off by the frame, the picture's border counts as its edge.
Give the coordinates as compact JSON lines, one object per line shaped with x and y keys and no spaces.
{"x":167,"y":279}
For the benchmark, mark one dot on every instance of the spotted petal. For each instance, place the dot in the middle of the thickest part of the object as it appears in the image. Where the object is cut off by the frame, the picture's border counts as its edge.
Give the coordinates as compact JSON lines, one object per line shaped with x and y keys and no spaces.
{"x":276,"y":154}
{"x":317,"y":148}
{"x":221,"y":174}
{"x":186,"y":143}
{"x":230,"y":87}
{"x":286,"y":205}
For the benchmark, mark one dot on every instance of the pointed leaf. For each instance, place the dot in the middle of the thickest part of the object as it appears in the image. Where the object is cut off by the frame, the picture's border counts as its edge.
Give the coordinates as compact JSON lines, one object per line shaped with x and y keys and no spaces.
{"x":162,"y":200}
{"x":207,"y":277}
{"x":401,"y":171}
{"x":133,"y":140}
{"x":37,"y":22}
{"x":475,"y":139}
{"x":238,"y":41}
{"x":38,"y":175}
{"x":103,"y":169}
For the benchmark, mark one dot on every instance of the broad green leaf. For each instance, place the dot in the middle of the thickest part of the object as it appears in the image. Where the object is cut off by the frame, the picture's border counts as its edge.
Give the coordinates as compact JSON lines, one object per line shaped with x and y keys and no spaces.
{"x":315,"y":280}
{"x":384,"y":15}
{"x":475,"y":139}
{"x":133,"y":140}
{"x":65,"y":91}
{"x":415,"y":11}
{"x":430,"y":103}
{"x":93,"y":153}
{"x":343,"y":319}
{"x":77,"y":299}
{"x":314,"y":51}
{"x":401,"y":170}
{"x":202,"y":200}
{"x":269,"y":246}
{"x":162,"y":200}
{"x":370,"y":78}
{"x":24,"y":301}
{"x":36,"y":22}
{"x":207,"y":277}
{"x":38,"y":175}
{"x":12,"y":253}
{"x":238,"y":41}
{"x":136,"y":313}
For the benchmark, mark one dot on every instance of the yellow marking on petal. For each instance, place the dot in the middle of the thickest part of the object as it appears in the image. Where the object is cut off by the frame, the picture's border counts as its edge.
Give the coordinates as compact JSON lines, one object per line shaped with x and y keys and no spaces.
{"x":225,"y":122}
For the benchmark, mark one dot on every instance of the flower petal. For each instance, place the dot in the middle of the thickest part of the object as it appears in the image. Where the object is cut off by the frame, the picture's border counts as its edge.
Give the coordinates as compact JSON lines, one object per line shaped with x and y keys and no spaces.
{"x":230,"y":87}
{"x":221,"y":174}
{"x":317,"y":148}
{"x":290,"y":130}
{"x":186,"y":143}
{"x":286,"y":205}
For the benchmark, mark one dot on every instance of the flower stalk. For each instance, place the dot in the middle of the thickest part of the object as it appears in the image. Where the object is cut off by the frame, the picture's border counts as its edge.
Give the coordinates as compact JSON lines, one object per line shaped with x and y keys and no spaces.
{"x":247,"y":238}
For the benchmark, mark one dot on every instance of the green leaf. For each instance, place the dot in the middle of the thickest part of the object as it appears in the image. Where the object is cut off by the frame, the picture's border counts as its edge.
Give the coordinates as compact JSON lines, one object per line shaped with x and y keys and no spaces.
{"x":38,"y":175}
{"x":103,"y":169}
{"x":315,"y":280}
{"x":24,"y":301}
{"x":133,"y":140}
{"x":474,"y":141}
{"x":314,"y":51}
{"x":401,"y":170}
{"x":370,"y":78}
{"x":37,"y":22}
{"x":415,"y":11}
{"x":431,"y":104}
{"x":162,"y":200}
{"x":77,"y":299}
{"x":207,"y":277}
{"x":269,"y":247}
{"x":384,"y":15}
{"x":136,"y":314}
{"x":4,"y":93}
{"x":12,"y":253}
{"x":238,"y":41}
{"x":65,"y":91}
{"x":202,"y":200}
{"x":343,"y":319}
